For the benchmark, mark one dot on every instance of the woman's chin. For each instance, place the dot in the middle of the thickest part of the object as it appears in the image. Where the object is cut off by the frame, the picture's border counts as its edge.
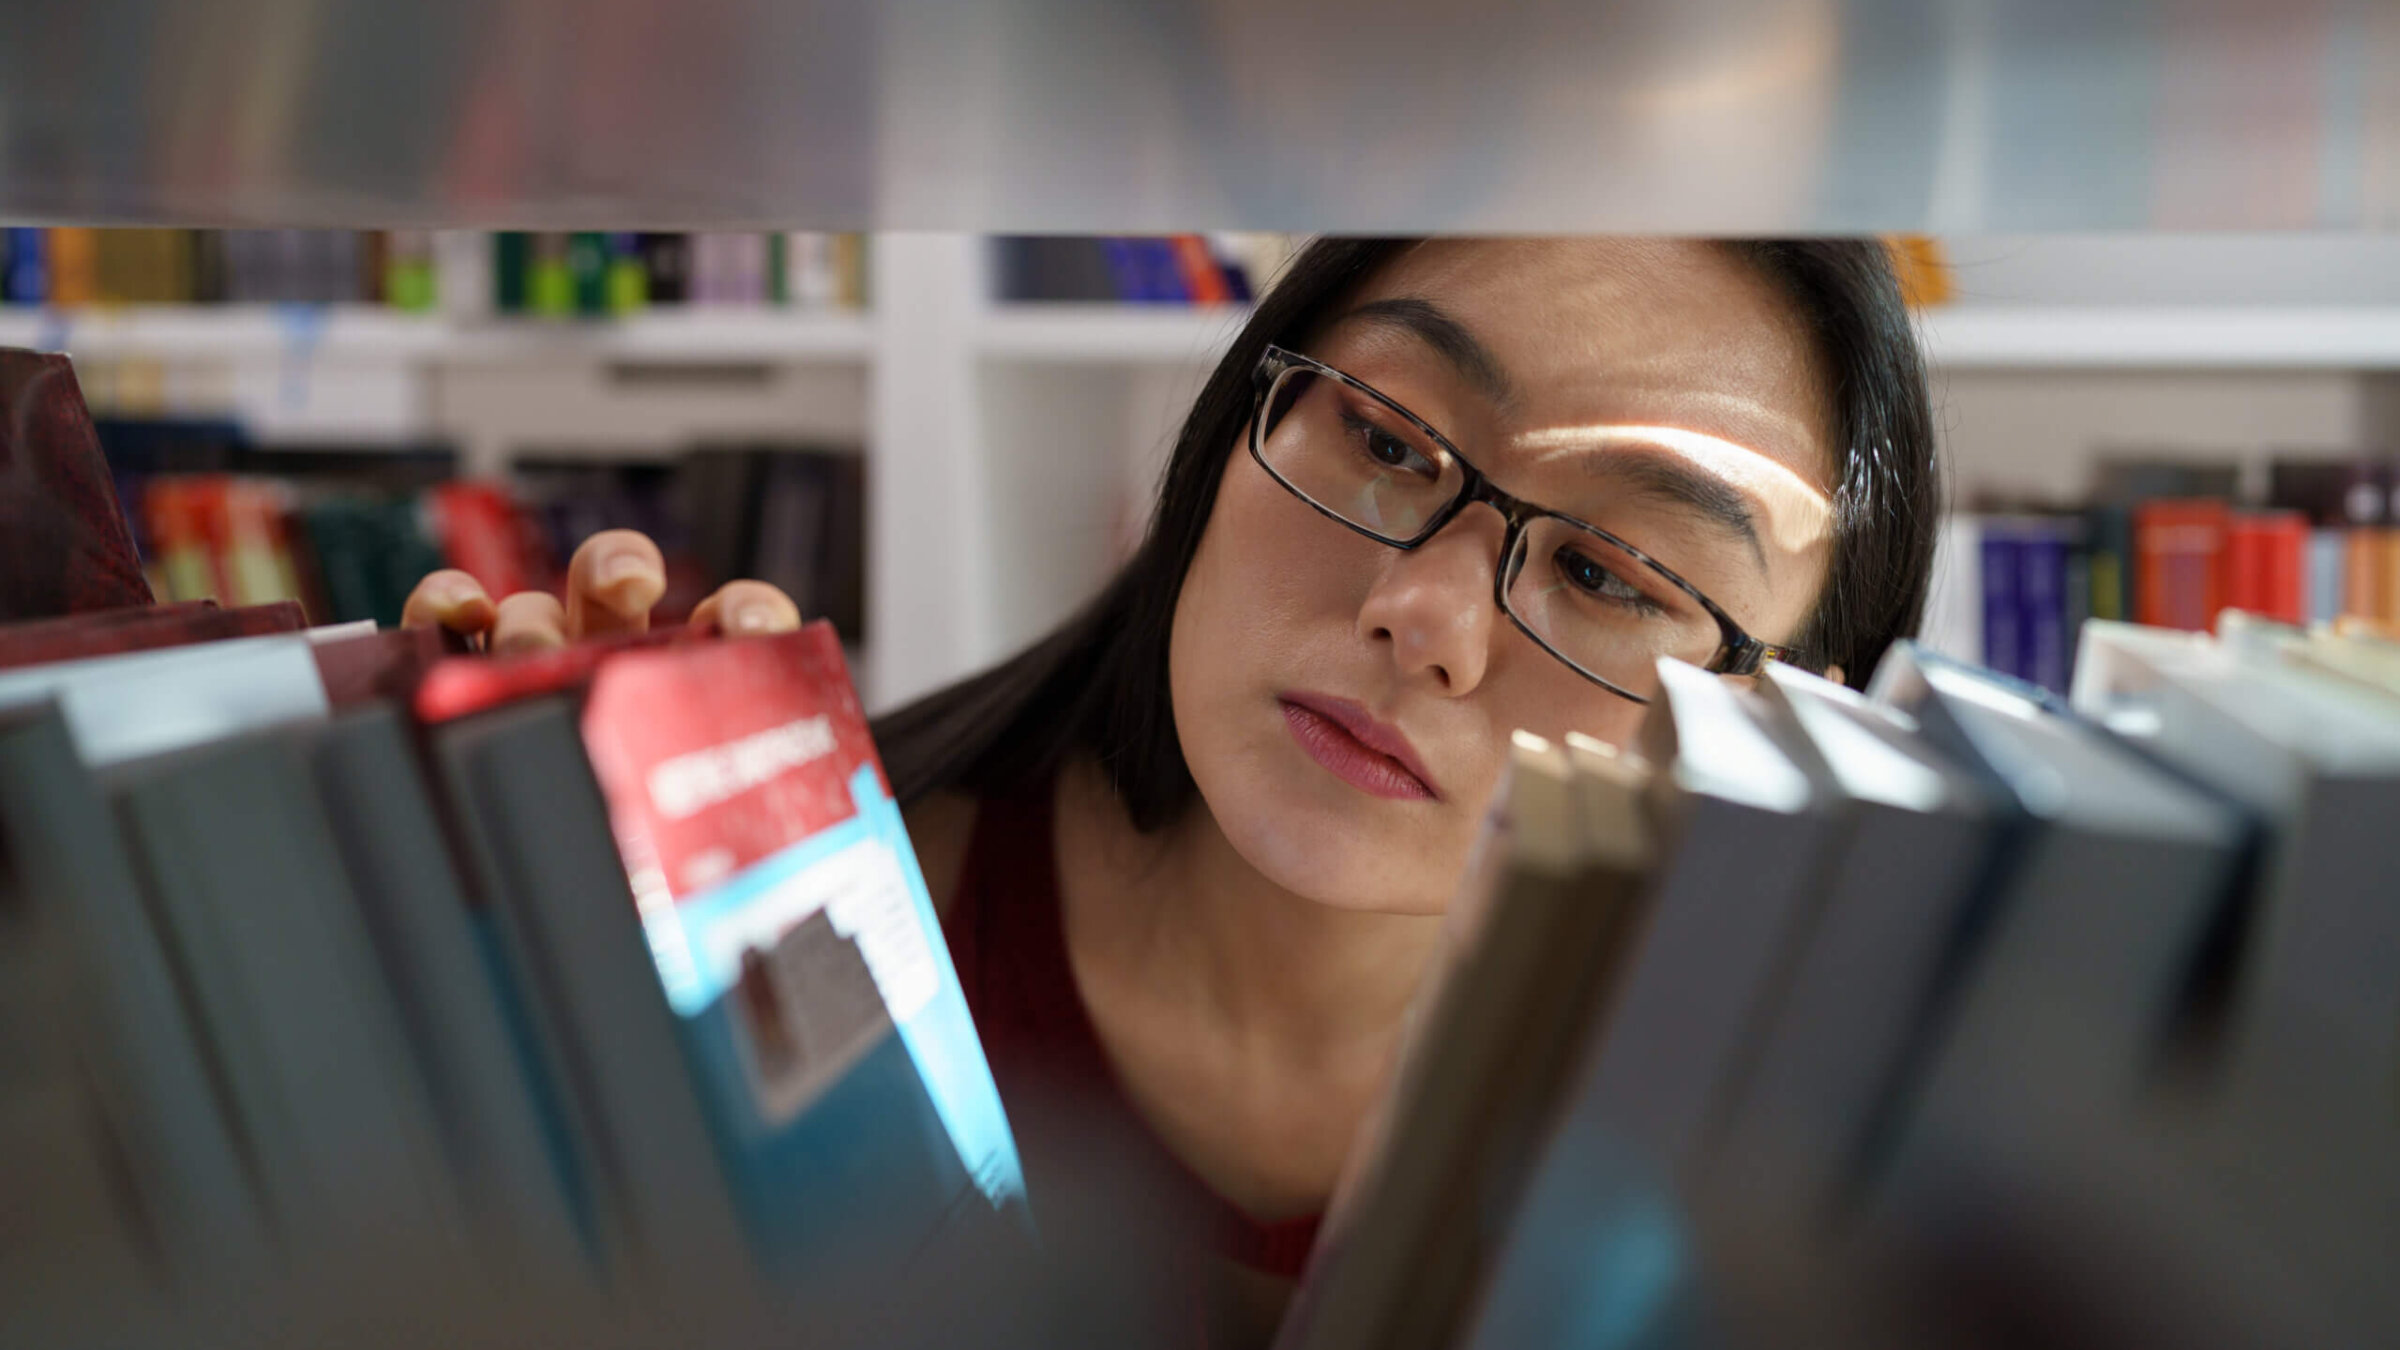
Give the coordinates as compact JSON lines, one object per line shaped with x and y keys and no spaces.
{"x":1338,"y":846}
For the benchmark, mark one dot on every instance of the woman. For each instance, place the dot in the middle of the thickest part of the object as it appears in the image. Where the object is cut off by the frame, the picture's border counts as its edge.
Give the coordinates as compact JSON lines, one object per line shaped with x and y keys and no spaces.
{"x":1192,"y":848}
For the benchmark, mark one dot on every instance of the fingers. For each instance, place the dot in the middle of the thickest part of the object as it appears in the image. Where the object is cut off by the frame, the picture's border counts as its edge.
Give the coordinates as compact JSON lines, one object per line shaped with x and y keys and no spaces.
{"x":450,"y":599}
{"x":745,"y":607}
{"x":613,"y":581}
{"x":529,"y":621}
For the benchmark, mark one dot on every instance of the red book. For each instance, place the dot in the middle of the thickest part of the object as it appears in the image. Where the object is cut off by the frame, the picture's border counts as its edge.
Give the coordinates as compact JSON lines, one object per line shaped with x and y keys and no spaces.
{"x":2178,"y":550}
{"x":116,"y":631}
{"x":483,"y":534}
{"x":2265,"y":565}
{"x":1202,"y":276}
{"x":2243,"y":566}
{"x":469,"y":684}
{"x":64,"y":547}
{"x":747,"y":800}
{"x":2283,"y":548}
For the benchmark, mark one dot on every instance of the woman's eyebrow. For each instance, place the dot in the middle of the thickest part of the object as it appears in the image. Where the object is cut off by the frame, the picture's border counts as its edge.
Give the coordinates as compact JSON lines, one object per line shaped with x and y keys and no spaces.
{"x":1453,"y":341}
{"x":1675,"y":483}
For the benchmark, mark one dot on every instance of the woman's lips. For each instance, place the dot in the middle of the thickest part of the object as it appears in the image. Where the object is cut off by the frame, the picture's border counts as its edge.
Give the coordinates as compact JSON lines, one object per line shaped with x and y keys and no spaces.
{"x":1354,"y":747}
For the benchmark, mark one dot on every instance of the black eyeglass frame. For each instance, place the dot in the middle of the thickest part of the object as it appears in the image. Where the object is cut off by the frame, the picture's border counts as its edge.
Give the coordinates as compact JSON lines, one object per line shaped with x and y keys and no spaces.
{"x":1737,"y":653}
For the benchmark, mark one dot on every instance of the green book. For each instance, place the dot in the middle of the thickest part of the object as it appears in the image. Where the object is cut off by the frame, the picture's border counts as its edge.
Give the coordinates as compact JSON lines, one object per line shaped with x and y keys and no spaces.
{"x":512,"y":263}
{"x":587,"y":265}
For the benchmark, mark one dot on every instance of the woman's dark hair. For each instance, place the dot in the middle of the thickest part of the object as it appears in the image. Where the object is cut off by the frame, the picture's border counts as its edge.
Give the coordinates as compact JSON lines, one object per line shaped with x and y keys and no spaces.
{"x":1098,"y":685}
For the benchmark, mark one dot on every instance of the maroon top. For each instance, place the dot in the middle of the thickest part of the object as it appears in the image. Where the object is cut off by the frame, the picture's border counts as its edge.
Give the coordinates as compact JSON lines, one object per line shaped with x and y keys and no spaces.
{"x":64,"y":548}
{"x":1009,"y":945}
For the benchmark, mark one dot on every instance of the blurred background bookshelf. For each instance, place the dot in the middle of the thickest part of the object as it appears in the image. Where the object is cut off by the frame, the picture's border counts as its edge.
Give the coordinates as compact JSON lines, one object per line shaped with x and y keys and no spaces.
{"x":1014,"y":397}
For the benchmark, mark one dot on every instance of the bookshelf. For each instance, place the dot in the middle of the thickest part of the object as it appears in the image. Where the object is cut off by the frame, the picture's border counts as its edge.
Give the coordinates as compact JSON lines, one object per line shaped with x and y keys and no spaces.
{"x":1024,"y":435}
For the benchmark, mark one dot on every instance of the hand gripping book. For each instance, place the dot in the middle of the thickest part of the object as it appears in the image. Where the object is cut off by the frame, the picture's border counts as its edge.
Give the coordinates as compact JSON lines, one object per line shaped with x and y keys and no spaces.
{"x":701,"y":883}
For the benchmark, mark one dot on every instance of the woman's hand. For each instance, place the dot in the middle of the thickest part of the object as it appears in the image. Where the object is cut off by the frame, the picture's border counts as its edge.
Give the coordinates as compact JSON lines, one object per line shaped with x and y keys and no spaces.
{"x":614,"y":579}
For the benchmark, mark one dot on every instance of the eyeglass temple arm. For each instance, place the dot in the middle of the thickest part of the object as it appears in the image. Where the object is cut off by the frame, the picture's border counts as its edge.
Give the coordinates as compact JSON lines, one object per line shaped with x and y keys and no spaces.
{"x":1748,"y":655}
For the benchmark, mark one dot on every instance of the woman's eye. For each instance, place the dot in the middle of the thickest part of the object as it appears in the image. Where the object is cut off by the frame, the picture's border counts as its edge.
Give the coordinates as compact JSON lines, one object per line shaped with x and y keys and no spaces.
{"x":1589,"y":575}
{"x":1390,"y":450}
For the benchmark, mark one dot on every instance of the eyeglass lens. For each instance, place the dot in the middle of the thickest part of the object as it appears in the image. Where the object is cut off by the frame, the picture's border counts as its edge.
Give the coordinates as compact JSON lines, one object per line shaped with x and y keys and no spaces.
{"x":1592,"y":603}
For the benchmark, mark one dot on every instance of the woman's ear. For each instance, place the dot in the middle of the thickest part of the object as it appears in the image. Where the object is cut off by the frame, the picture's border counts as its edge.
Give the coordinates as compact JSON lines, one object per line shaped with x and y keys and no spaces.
{"x":1834,"y":673}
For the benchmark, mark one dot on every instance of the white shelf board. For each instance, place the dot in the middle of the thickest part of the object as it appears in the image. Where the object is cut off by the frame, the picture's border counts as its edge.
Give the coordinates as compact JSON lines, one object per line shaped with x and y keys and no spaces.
{"x":365,"y":334}
{"x":1960,"y":338}
{"x":1109,"y":334}
{"x":2251,"y":337}
{"x":1964,"y":337}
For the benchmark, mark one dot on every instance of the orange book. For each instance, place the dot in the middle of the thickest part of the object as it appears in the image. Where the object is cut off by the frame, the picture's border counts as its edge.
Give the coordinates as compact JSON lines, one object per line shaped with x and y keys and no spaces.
{"x":74,"y":267}
{"x":2362,"y":572}
{"x":2178,"y":548}
{"x":173,"y":513}
{"x":2387,"y":594}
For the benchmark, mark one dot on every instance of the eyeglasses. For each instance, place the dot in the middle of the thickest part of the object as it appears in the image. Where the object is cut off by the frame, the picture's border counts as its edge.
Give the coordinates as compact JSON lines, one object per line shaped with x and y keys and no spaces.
{"x":1599,"y":604}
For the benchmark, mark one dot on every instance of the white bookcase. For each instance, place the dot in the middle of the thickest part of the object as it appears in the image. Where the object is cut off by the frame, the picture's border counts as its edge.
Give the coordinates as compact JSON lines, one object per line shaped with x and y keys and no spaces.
{"x":1014,"y":446}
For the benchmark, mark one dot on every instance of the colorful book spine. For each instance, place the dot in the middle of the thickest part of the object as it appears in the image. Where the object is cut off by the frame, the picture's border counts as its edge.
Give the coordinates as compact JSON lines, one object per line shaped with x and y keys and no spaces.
{"x":2045,"y":637}
{"x":26,"y":278}
{"x":2003,"y":626}
{"x":628,"y":284}
{"x":587,"y":265}
{"x":2178,"y":546}
{"x":550,"y":277}
{"x":408,"y":271}
{"x":74,"y":267}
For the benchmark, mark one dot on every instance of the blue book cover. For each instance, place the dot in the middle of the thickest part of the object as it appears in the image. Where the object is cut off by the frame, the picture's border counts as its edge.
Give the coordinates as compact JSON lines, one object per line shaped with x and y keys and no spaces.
{"x":25,"y":275}
{"x":2003,"y":617}
{"x":2044,"y":643}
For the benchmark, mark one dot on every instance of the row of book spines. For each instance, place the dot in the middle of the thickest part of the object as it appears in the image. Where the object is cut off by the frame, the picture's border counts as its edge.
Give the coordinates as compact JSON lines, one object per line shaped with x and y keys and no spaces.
{"x":2169,"y":564}
{"x":548,"y":274}
{"x":255,"y":541}
{"x":587,"y":273}
{"x":2193,"y":559}
{"x":1150,"y":269}
{"x":348,"y":550}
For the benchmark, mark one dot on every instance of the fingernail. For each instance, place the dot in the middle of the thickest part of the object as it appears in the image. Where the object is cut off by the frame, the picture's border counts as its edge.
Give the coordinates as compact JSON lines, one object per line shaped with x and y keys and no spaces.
{"x":620,"y":568}
{"x":750,"y":619}
{"x":452,"y":594}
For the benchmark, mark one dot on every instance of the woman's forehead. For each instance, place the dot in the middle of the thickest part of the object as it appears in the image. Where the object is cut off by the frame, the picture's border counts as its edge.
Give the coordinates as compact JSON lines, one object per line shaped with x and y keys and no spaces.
{"x":1602,"y":332}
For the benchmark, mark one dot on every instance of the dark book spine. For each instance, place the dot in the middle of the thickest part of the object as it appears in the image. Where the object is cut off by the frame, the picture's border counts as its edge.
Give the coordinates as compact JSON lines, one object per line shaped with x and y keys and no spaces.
{"x":512,"y":267}
{"x":208,"y":267}
{"x":667,"y":267}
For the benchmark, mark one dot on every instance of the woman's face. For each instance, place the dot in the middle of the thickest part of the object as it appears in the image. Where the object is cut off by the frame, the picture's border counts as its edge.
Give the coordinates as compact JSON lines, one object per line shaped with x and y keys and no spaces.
{"x":1345,"y":706}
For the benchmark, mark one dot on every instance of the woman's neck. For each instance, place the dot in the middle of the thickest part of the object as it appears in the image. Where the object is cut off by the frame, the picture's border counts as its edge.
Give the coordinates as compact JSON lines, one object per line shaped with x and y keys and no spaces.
{"x":1181,"y":915}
